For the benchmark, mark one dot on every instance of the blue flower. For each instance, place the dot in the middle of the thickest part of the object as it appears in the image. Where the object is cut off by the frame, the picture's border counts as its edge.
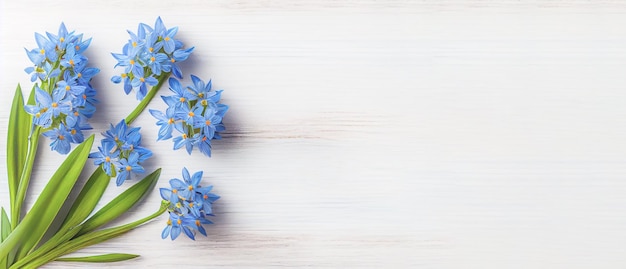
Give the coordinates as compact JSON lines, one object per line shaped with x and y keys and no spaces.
{"x":195,"y":112}
{"x":140,"y":82}
{"x":185,"y":140}
{"x":178,"y":56}
{"x":61,"y":139}
{"x":176,"y":224}
{"x":105,"y":156}
{"x":72,"y":58}
{"x":127,"y":85}
{"x":121,"y":147}
{"x":126,"y":166}
{"x":167,"y":122}
{"x":149,"y":53}
{"x":190,"y":205}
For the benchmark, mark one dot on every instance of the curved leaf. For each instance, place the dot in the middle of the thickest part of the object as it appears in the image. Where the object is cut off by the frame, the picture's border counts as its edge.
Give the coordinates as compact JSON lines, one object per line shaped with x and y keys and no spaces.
{"x":17,"y":143}
{"x":121,"y":203}
{"x":36,"y":222}
{"x":113,"y":257}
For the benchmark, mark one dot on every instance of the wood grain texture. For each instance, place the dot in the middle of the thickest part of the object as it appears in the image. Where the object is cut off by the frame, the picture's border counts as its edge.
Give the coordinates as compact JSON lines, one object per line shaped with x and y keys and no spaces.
{"x":376,"y":134}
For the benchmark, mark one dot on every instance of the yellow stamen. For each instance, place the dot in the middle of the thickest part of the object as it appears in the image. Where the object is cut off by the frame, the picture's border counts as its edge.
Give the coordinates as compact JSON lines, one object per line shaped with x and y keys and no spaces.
{"x":61,"y":137}
{"x":204,"y":103}
{"x":85,"y":96}
{"x":170,"y":121}
{"x":167,"y":38}
{"x":190,"y":188}
{"x":54,"y":104}
{"x":38,"y":115}
{"x":152,"y":59}
{"x":204,"y":139}
{"x":80,"y":75}
{"x":128,"y":168}
{"x":191,"y":114}
{"x":77,"y":47}
{"x":197,"y":223}
{"x":134,"y":44}
{"x":73,"y":131}
{"x":179,"y":221}
{"x":76,"y":113}
{"x":62,"y":39}
{"x":132,"y":62}
{"x":151,"y":49}
{"x":184,"y":136}
{"x":172,"y":60}
{"x":123,"y":75}
{"x":205,"y":197}
{"x":182,"y":99}
{"x":208,"y":122}
{"x":142,"y":79}
{"x":71,"y":62}
{"x":42,"y":51}
{"x":169,"y":221}
{"x":107,"y":159}
{"x":67,"y":88}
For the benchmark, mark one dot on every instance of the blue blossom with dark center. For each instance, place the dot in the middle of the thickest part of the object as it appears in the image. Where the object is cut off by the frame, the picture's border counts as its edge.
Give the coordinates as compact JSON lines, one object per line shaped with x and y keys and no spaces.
{"x":190,"y":205}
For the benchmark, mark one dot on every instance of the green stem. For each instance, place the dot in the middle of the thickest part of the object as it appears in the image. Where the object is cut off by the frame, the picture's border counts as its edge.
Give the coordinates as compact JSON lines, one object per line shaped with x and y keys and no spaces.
{"x":146,"y":100}
{"x":86,"y":240}
{"x":33,"y":141}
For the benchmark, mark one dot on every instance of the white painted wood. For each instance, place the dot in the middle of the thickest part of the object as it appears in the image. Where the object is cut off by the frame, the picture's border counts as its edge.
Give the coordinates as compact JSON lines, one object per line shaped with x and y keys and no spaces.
{"x":377,"y":134}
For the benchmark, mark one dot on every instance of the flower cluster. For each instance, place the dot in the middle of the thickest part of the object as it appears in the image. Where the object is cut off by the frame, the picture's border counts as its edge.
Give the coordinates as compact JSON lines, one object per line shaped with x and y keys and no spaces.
{"x":194,"y":112}
{"x":121,"y":152}
{"x":148,"y":55}
{"x":65,"y":99}
{"x":190,"y":204}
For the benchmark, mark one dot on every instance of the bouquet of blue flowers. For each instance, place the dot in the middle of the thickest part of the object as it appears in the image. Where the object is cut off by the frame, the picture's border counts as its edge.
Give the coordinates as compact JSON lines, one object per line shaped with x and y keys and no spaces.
{"x":59,"y":106}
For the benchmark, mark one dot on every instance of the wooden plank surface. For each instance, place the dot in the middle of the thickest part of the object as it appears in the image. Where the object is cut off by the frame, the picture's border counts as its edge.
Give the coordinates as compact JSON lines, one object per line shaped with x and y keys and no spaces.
{"x":376,"y":134}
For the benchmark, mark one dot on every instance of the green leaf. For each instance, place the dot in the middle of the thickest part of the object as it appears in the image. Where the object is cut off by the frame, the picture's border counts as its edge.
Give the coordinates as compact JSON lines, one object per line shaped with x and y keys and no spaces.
{"x":17,"y":143}
{"x":87,"y":199}
{"x":89,"y":239}
{"x":113,"y":257}
{"x":35,"y":224}
{"x":122,"y":203}
{"x":5,"y":230}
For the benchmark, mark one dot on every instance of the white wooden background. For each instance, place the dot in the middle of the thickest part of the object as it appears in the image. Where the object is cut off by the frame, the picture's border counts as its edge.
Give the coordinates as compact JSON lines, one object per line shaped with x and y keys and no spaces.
{"x":376,"y":134}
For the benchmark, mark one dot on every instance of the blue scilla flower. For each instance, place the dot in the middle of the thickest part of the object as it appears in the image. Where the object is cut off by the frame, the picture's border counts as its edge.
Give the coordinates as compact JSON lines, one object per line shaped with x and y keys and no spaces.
{"x":194,"y":112}
{"x":190,"y":205}
{"x":121,"y":154}
{"x":61,"y":139}
{"x":64,"y":97}
{"x":105,"y":156}
{"x":147,"y":55}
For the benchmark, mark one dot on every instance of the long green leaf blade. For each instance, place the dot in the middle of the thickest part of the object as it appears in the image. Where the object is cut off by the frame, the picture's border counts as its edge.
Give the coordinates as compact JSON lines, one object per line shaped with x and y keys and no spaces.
{"x":113,"y":257}
{"x":121,"y":203}
{"x":90,"y":239}
{"x":17,"y":143}
{"x":5,"y":230}
{"x":87,"y":200}
{"x":36,"y":222}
